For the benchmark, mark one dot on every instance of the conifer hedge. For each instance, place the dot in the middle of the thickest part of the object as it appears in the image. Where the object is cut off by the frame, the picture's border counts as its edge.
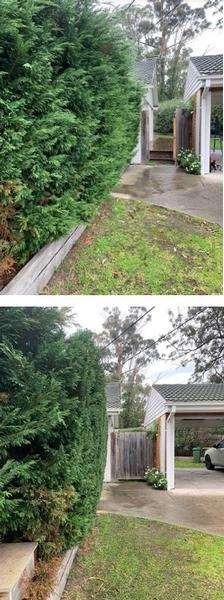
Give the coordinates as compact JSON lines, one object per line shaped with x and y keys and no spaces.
{"x":69,"y":115}
{"x":52,"y":429}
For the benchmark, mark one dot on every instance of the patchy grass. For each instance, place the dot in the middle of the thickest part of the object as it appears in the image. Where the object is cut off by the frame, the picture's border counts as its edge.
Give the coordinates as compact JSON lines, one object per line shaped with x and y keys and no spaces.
{"x":136,"y":248}
{"x":188,"y":464}
{"x":135,"y":559}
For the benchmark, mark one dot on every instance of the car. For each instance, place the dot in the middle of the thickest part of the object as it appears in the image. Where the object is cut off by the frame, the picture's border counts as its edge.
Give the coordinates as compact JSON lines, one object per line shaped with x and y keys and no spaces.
{"x":214,"y":457}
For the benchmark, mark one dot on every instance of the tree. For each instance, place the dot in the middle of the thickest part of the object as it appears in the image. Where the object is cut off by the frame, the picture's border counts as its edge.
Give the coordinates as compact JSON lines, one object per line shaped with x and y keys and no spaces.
{"x":200,"y":341}
{"x":163,"y":28}
{"x":52,"y":429}
{"x":217,"y":6}
{"x":124,"y":358}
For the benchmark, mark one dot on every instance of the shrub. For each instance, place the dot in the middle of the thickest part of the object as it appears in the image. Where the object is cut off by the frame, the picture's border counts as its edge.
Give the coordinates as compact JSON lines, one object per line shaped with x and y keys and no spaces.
{"x":165,"y":113}
{"x":69,"y":116}
{"x":189,"y":161}
{"x":156,"y":479}
{"x":52,"y":429}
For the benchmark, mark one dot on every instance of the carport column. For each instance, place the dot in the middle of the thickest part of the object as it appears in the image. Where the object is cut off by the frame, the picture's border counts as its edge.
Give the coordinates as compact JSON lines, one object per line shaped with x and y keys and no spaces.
{"x":170,"y":450}
{"x":107,"y":472}
{"x":205,"y":129}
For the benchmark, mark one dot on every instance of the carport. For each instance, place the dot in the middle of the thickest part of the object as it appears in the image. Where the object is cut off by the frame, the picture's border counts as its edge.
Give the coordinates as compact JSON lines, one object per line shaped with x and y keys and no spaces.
{"x":181,"y":406}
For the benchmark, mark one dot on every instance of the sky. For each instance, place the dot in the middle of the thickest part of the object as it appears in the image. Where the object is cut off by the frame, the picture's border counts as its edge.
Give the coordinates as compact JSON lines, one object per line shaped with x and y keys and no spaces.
{"x":208,"y":42}
{"x":90,"y":315}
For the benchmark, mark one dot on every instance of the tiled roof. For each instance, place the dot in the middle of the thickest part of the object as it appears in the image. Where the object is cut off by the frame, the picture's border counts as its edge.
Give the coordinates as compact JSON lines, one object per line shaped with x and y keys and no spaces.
{"x":113,"y":396}
{"x":144,"y":70}
{"x":192,"y":392}
{"x":209,"y":65}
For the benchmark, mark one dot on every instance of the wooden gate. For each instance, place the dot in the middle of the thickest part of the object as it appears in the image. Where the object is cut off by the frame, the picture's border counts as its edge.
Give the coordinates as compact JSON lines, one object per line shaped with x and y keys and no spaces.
{"x":131,"y":453}
{"x":182,"y":131}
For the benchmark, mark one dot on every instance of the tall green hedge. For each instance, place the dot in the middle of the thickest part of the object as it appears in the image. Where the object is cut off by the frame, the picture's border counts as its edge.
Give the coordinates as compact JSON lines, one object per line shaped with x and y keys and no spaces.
{"x":165,"y":113}
{"x":52,"y":429}
{"x":69,"y":115}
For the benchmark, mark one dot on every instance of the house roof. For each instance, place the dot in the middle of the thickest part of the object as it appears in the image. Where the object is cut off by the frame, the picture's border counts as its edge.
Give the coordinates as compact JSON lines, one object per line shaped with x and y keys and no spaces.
{"x":191,"y":392}
{"x":145,"y":70}
{"x":208,"y":65}
{"x":113,"y":396}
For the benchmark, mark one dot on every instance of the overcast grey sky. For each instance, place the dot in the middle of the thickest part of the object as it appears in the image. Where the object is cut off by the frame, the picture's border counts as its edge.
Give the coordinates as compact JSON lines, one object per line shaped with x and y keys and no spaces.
{"x":208,"y":42}
{"x":89,"y":314}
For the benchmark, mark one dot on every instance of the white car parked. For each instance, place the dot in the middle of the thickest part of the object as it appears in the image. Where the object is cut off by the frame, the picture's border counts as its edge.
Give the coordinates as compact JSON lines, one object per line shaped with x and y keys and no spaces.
{"x":214,"y":457}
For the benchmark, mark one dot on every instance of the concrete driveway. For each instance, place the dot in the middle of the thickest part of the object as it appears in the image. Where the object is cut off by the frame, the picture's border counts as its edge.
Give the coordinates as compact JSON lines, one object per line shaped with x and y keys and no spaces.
{"x":202,"y":511}
{"x":170,"y":187}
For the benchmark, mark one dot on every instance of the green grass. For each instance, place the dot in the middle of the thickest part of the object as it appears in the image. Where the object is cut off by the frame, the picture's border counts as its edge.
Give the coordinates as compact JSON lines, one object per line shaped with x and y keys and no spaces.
{"x":217,"y":144}
{"x":136,"y":248}
{"x":188,"y":464}
{"x":166,"y":136}
{"x":135,"y":559}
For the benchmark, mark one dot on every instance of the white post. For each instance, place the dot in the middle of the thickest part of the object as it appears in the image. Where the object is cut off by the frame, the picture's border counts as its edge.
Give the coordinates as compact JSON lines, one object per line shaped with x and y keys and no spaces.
{"x":107,"y":472}
{"x":170,"y":451}
{"x":163,"y":444}
{"x":205,"y":130}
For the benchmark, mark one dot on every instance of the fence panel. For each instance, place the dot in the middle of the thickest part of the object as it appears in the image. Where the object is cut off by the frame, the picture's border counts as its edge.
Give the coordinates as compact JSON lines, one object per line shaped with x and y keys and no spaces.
{"x":131,"y":453}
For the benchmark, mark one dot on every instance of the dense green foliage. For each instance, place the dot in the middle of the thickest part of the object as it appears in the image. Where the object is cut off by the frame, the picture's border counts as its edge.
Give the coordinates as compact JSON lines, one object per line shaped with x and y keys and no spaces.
{"x":155,"y":478}
{"x":189,"y":161}
{"x":164,"y":115}
{"x":52,"y":429}
{"x":69,"y":114}
{"x":186,"y":439}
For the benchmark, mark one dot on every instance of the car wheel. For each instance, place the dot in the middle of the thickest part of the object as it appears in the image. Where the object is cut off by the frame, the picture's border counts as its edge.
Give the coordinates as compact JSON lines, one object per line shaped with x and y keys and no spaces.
{"x":208,"y":463}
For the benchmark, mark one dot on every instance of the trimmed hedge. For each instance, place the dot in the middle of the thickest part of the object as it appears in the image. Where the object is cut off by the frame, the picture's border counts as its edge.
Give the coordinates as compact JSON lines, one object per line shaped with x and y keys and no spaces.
{"x":165,"y":113}
{"x":52,"y":429}
{"x":69,"y":117}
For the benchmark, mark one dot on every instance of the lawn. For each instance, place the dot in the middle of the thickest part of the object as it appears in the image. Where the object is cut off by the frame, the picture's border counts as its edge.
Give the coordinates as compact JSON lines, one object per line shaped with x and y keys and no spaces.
{"x":188,"y":464}
{"x":132,"y":247}
{"x":137,"y":559}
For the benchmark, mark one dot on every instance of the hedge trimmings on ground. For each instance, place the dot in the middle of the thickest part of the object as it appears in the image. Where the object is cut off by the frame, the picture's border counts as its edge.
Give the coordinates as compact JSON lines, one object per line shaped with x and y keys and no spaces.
{"x":69,"y":115}
{"x":155,"y":478}
{"x":52,"y":429}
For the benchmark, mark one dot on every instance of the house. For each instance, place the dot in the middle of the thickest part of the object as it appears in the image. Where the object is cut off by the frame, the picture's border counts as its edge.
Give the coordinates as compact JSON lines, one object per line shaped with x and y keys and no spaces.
{"x":176,"y":406}
{"x":113,"y":397}
{"x":204,"y":86}
{"x":145,"y":72}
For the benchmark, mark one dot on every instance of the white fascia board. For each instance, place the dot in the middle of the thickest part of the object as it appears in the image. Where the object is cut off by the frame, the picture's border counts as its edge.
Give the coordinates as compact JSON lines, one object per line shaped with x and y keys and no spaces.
{"x":191,"y":407}
{"x":113,"y":412}
{"x":193,"y":82}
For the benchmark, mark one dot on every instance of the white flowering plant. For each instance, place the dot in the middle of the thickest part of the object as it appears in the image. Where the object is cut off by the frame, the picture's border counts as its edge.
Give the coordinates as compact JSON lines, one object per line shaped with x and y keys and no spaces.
{"x":155,"y":478}
{"x":189,"y":161}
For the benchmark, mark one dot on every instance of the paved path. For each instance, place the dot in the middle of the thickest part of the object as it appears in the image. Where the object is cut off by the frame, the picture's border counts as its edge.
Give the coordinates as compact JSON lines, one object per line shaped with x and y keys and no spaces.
{"x":203,"y":511}
{"x":168,"y":186}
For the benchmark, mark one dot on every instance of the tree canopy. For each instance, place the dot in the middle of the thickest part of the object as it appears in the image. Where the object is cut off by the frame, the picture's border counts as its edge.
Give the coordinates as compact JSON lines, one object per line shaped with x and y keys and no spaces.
{"x":164,"y":28}
{"x":201,"y":341}
{"x":124,"y":358}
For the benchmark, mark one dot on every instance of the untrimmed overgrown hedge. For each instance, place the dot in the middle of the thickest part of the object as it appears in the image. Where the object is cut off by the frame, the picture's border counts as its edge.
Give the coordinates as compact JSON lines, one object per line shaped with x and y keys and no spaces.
{"x":52,"y":429}
{"x":69,"y":115}
{"x":164,"y":115}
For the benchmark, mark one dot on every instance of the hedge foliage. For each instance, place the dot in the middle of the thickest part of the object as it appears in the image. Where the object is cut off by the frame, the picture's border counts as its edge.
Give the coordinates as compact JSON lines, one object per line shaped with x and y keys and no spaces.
{"x":52,"y":429}
{"x":165,"y":113}
{"x":69,"y":116}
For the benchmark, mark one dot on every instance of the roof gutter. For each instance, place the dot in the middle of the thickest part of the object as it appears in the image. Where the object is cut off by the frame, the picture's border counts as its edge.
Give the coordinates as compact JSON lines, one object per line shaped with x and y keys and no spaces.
{"x":172,"y":412}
